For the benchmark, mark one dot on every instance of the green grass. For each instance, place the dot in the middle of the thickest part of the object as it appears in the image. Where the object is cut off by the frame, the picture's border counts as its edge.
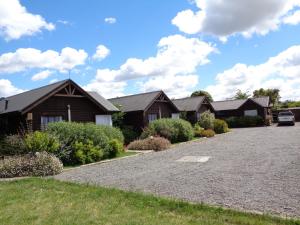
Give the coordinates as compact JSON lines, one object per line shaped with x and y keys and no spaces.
{"x":50,"y":202}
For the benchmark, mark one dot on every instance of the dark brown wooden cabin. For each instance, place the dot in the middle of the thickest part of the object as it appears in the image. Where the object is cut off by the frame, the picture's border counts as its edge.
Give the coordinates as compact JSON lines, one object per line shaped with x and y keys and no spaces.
{"x":61,"y":101}
{"x":243,"y":107}
{"x":192,"y":107}
{"x":140,"y":109}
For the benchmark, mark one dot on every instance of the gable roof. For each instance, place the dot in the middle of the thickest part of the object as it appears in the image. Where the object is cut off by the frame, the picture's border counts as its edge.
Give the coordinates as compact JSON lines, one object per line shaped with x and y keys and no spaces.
{"x":19,"y":102}
{"x":107,"y":104}
{"x":139,"y":102}
{"x":189,"y":103}
{"x":236,"y":104}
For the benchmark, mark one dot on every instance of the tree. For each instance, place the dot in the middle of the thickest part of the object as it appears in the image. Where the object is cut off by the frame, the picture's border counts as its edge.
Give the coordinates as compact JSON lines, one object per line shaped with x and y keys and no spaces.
{"x":118,"y":117}
{"x":202,"y":93}
{"x":272,"y":93}
{"x":241,"y":95}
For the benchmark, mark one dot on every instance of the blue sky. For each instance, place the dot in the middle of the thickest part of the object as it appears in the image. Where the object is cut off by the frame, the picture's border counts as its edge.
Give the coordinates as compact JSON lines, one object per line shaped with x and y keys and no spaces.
{"x":203,"y":45}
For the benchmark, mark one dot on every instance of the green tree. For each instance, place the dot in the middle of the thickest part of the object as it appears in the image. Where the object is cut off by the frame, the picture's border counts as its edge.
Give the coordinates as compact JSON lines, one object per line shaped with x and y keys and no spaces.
{"x":272,"y":93}
{"x":241,"y":95}
{"x":202,"y":93}
{"x":118,"y":117}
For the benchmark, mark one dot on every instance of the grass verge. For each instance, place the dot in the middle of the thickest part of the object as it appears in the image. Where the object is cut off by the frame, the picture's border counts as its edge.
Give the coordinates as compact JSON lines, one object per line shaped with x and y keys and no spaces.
{"x":47,"y":201}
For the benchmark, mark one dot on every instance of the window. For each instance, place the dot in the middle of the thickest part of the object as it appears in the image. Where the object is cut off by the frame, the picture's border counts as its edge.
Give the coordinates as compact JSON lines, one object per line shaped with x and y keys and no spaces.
{"x":49,"y":119}
{"x":198,"y":115}
{"x":104,"y":120}
{"x":250,"y":112}
{"x":175,"y":115}
{"x":152,"y":117}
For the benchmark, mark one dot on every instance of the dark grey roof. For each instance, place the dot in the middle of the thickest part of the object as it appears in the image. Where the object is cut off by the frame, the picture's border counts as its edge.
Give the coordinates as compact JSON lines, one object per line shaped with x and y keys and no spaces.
{"x":102,"y":101}
{"x":138,"y":102}
{"x":21,"y":101}
{"x":235,"y":104}
{"x":263,"y":101}
{"x":189,"y":104}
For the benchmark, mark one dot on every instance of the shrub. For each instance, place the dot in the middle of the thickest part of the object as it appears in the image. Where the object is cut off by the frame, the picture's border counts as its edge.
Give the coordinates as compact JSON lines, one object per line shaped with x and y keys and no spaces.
{"x":150,"y":143}
{"x":70,"y":133}
{"x":38,"y":164}
{"x":245,"y":121}
{"x":12,"y":145}
{"x":207,"y":133}
{"x":220,"y":126}
{"x":114,"y":147}
{"x":207,"y":120}
{"x":41,"y":141}
{"x":175,"y":130}
{"x":129,"y":134}
{"x":87,"y":152}
{"x":198,"y":130}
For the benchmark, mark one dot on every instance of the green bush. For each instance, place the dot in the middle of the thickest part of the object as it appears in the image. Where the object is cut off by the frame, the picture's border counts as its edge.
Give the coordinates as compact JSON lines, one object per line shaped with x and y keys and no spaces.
{"x":114,"y":147}
{"x":12,"y":145}
{"x":129,"y":134}
{"x":150,"y":143}
{"x":198,"y":130}
{"x":245,"y":121}
{"x":87,"y":152}
{"x":38,"y":164}
{"x":207,"y":133}
{"x":175,"y":130}
{"x":206,"y":120}
{"x":70,"y":133}
{"x":220,"y":126}
{"x":41,"y":141}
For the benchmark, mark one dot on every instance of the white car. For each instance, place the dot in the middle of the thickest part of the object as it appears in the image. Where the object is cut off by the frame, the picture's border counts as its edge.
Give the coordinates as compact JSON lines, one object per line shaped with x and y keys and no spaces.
{"x":286,"y":117}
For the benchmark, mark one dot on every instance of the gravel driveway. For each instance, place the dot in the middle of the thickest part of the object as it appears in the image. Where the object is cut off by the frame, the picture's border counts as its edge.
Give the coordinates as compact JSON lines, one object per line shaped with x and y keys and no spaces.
{"x":256,"y":169}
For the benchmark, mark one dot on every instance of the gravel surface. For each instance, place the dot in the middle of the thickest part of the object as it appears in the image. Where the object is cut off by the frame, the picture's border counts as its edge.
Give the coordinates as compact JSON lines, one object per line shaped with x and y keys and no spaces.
{"x":255,"y":169}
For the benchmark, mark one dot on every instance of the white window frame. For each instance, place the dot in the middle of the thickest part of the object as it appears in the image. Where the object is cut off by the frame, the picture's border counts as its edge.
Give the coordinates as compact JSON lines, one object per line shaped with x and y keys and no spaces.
{"x":103,"y":120}
{"x":251,"y":112}
{"x":152,"y":117}
{"x":175,"y":115}
{"x":49,"y":119}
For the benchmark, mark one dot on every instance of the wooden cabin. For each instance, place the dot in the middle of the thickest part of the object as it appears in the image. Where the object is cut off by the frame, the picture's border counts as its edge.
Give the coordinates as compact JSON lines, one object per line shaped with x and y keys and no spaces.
{"x":243,"y":107}
{"x":192,"y":107}
{"x":140,"y":109}
{"x":61,"y":101}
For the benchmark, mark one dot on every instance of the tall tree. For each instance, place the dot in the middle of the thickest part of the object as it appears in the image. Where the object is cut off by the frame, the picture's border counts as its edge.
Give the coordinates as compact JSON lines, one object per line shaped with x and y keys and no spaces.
{"x":241,"y":95}
{"x":202,"y":93}
{"x":272,"y":93}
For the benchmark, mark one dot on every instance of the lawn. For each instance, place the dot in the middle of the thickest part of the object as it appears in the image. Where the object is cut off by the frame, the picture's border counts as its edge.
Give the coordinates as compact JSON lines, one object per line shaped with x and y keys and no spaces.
{"x":47,"y":201}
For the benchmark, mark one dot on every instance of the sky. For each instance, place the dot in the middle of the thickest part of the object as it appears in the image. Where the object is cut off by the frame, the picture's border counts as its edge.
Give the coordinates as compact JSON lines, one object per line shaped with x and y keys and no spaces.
{"x":125,"y":47}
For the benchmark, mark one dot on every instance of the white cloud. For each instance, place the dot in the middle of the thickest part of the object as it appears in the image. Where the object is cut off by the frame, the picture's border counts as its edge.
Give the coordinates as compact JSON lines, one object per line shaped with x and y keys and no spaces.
{"x":41,"y":75}
{"x":28,"y":58}
{"x":171,"y":69}
{"x":292,"y":19}
{"x":8,"y":89}
{"x":107,"y":89}
{"x":176,"y":55}
{"x":174,"y":86}
{"x":64,"y":22}
{"x":101,"y":52}
{"x":16,"y":22}
{"x":223,"y":18}
{"x":110,"y":20}
{"x":53,"y":81}
{"x":281,"y":71}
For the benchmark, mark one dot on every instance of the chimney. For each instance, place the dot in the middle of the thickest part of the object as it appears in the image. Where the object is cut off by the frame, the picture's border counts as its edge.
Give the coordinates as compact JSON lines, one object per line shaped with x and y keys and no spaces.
{"x":6,"y":104}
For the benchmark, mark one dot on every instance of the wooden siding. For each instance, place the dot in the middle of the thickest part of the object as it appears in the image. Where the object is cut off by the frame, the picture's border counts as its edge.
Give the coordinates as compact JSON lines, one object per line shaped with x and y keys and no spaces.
{"x":82,"y":110}
{"x":162,"y":109}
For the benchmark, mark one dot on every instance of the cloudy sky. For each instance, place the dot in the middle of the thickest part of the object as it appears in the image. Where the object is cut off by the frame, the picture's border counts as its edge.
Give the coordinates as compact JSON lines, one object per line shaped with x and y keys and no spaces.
{"x":125,"y":47}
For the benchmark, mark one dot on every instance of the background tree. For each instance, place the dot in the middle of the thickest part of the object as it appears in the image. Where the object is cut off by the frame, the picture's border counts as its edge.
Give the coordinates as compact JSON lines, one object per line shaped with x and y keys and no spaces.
{"x":272,"y":93}
{"x":118,"y":117}
{"x":202,"y":93}
{"x":241,"y":95}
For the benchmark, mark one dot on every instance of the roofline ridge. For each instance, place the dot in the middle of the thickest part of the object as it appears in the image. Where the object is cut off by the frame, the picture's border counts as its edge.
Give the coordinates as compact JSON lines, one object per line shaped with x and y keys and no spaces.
{"x":136,"y":94}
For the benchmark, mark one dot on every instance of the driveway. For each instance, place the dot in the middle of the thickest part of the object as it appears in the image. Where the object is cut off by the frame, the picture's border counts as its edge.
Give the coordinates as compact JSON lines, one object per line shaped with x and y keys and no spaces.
{"x":255,"y":169}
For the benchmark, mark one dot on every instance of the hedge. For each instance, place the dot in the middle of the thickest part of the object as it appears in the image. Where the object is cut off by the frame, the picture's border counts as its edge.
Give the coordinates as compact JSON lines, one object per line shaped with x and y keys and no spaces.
{"x":85,"y":142}
{"x":175,"y":130}
{"x":245,"y":121}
